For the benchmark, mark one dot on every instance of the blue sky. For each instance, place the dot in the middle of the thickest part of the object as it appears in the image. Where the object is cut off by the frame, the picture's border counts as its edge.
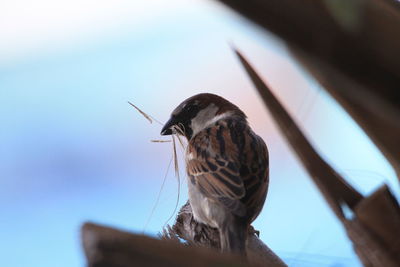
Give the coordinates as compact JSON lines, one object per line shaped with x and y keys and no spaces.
{"x":73,"y":150}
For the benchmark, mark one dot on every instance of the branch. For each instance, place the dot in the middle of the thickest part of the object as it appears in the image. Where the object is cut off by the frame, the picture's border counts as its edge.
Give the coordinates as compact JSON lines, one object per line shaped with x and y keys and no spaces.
{"x":109,"y":247}
{"x":105,"y":246}
{"x":197,"y":234}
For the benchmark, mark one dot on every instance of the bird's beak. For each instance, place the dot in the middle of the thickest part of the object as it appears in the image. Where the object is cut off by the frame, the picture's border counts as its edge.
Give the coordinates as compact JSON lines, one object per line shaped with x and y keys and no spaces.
{"x":166,"y":130}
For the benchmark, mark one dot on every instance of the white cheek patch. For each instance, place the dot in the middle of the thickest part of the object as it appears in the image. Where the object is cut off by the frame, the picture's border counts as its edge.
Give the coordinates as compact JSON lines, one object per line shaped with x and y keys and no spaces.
{"x":199,"y":122}
{"x":219,"y":117}
{"x":206,"y":117}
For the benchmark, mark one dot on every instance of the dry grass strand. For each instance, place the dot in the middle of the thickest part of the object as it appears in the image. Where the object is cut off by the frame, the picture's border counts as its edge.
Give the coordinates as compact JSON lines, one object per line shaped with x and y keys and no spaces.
{"x":176,"y":166}
{"x":177,"y":132}
{"x":147,"y":116}
{"x":158,"y":196}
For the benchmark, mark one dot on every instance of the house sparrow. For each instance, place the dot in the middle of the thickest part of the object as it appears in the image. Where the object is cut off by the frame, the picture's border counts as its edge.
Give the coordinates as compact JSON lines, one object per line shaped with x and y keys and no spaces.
{"x":226,"y":164}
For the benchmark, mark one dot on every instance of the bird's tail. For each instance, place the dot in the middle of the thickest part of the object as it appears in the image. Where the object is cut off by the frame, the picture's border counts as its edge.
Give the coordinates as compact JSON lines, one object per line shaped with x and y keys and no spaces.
{"x":233,"y":237}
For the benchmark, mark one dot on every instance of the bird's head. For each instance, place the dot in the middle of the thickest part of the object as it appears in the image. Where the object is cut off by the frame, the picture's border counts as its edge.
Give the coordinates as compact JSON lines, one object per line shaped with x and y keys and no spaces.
{"x":198,"y":112}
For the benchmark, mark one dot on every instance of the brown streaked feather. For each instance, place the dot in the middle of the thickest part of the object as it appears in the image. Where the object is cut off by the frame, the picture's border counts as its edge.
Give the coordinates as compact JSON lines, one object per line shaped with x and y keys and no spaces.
{"x":229,"y":163}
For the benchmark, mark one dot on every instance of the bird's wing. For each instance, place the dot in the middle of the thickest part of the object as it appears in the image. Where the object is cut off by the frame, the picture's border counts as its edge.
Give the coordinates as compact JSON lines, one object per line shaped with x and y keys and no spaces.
{"x":213,"y":166}
{"x":255,"y":173}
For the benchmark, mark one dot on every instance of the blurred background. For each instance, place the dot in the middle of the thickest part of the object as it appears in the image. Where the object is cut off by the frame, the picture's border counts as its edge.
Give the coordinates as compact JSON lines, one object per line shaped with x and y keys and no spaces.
{"x":73,"y":150}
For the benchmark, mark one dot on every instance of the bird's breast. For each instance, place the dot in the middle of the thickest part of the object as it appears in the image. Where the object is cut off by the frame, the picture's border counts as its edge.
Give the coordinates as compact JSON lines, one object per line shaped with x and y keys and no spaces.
{"x":205,"y":210}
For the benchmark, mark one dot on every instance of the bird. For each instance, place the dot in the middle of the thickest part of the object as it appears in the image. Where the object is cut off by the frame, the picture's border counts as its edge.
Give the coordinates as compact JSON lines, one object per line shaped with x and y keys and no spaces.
{"x":227,"y":166}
